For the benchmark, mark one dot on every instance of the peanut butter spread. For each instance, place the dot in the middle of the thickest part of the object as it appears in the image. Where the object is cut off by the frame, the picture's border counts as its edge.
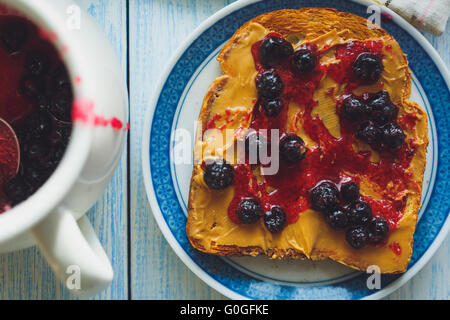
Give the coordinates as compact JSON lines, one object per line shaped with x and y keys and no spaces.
{"x":229,"y":104}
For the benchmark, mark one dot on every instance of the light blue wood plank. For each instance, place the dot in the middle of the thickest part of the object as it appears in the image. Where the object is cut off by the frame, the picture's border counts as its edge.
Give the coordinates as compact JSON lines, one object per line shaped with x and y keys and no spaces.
{"x":26,"y":274}
{"x":156,"y":29}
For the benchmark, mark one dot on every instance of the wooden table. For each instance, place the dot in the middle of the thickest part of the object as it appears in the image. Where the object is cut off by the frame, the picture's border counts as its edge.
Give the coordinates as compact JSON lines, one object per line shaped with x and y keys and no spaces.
{"x":145,"y":33}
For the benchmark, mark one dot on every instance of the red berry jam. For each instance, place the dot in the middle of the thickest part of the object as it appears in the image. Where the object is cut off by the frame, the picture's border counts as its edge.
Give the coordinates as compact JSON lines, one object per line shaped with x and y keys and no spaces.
{"x":342,"y":72}
{"x":37,"y":97}
{"x":395,"y":247}
{"x":333,"y":160}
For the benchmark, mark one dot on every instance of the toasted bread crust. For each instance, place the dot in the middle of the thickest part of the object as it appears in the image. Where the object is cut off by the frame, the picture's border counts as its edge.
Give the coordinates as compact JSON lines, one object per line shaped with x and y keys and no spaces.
{"x":308,"y":23}
{"x":305,"y":24}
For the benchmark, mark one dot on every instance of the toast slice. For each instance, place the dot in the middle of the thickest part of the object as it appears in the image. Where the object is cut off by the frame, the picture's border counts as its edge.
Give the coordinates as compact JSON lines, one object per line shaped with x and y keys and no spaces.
{"x":230,"y":103}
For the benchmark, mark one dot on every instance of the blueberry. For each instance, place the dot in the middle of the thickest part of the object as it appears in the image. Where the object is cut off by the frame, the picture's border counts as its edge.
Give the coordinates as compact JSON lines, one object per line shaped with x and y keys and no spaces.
{"x":378,"y":101}
{"x":368,"y":132}
{"x":38,"y":124}
{"x":31,"y":86}
{"x":272,"y":107}
{"x":35,"y":176}
{"x":368,"y":67}
{"x":13,"y":36}
{"x":36,"y":150}
{"x":59,"y":80}
{"x":381,"y":109}
{"x":249,"y":211}
{"x":292,"y":148}
{"x":387,"y":113}
{"x":218,"y":174}
{"x":304,"y":61}
{"x":275,"y":220}
{"x":55,"y":157}
{"x":350,"y":191}
{"x":43,"y":103}
{"x":61,"y":134}
{"x":37,"y":63}
{"x":255,"y":143}
{"x":337,"y":218}
{"x":352,"y":109}
{"x":324,"y":197}
{"x":273,"y":50}
{"x":392,"y":135}
{"x":269,"y":84}
{"x":359,"y":213}
{"x":378,"y":229}
{"x":357,"y":237}
{"x":17,"y":190}
{"x":61,"y":106}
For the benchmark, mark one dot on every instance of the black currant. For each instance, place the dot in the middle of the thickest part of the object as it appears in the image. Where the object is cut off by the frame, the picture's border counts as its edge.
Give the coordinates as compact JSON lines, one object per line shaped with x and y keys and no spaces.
{"x":218,"y":174}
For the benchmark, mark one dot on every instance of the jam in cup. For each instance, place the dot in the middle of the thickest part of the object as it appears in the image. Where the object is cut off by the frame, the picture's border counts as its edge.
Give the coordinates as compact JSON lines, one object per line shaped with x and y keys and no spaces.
{"x":63,"y":93}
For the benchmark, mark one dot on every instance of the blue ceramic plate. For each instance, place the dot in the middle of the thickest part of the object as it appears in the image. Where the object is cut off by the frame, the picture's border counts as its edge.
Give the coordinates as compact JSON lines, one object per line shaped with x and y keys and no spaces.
{"x":176,"y":107}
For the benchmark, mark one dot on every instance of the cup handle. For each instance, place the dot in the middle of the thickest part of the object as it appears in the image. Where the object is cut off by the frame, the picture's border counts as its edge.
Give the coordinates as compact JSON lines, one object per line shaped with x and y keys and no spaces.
{"x":74,"y":252}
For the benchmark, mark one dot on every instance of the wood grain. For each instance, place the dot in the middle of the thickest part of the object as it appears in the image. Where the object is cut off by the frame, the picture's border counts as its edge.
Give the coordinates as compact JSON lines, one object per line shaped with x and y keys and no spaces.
{"x":156,"y":29}
{"x":26,"y":274}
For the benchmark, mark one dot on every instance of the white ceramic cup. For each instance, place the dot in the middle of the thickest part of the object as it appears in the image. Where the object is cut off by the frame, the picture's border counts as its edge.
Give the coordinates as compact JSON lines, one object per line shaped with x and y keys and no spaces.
{"x":53,"y":217}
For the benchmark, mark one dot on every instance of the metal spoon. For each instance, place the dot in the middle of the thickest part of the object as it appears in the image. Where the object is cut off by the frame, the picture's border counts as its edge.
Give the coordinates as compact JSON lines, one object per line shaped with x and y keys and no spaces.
{"x":8,"y":136}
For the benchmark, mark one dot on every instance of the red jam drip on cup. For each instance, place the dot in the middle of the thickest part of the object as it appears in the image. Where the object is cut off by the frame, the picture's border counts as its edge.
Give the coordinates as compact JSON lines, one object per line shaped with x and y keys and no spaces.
{"x":83,"y":112}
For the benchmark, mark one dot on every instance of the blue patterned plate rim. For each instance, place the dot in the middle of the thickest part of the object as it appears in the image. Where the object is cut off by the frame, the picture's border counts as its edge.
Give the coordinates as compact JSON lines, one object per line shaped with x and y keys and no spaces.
{"x":230,"y":282}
